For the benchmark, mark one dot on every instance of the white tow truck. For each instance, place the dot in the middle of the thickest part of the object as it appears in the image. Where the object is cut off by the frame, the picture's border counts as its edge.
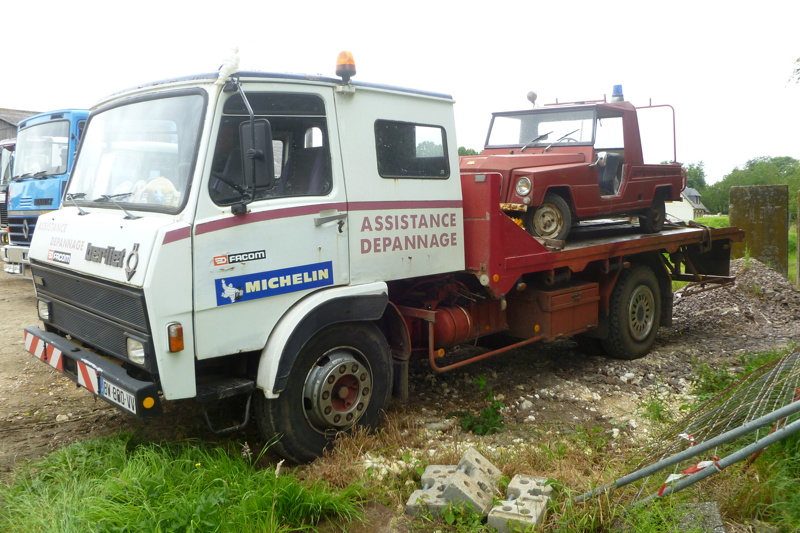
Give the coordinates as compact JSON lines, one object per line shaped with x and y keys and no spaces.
{"x":290,"y":242}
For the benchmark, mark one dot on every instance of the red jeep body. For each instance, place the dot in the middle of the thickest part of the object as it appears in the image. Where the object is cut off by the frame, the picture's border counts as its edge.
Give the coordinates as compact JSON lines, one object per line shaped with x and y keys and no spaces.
{"x":566,"y":163}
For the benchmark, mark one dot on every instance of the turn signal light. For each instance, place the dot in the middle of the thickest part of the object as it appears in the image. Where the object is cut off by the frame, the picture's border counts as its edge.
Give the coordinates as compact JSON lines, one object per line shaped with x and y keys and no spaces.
{"x":175,"y":335}
{"x":345,"y":66}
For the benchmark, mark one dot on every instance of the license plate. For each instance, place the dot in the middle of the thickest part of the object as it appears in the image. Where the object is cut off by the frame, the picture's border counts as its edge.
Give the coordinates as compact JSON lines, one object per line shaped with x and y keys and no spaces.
{"x":119,"y":396}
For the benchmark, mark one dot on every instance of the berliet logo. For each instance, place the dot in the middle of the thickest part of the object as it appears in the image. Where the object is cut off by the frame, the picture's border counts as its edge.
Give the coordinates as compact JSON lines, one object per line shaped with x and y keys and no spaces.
{"x":113,"y":257}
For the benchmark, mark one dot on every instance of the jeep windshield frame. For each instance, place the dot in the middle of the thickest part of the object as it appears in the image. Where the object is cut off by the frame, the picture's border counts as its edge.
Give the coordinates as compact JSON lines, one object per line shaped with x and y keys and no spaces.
{"x":565,"y":126}
{"x":141,"y":152}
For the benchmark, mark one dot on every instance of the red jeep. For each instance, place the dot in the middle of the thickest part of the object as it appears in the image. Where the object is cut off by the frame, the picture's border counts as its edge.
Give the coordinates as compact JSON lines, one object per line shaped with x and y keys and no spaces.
{"x":565,"y":163}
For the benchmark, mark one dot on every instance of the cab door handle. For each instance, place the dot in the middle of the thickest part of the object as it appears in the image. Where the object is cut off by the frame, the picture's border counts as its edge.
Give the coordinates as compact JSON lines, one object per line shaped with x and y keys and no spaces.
{"x":318,"y":221}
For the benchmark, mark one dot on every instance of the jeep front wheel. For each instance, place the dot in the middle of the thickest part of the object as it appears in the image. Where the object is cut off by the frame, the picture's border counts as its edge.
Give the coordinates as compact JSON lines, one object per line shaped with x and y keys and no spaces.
{"x":551,"y":220}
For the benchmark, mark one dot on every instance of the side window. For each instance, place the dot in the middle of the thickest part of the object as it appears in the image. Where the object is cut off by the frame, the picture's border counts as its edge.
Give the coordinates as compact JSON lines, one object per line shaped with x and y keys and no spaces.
{"x":407,"y":150}
{"x":609,"y":134}
{"x":300,"y":148}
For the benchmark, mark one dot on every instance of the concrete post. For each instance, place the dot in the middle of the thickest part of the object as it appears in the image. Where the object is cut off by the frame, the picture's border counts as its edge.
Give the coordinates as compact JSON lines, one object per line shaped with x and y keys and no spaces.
{"x":763,"y":212}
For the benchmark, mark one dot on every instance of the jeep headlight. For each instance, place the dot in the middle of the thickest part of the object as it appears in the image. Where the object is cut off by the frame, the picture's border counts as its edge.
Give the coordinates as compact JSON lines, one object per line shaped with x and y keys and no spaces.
{"x":523,"y":187}
{"x":135,"y":351}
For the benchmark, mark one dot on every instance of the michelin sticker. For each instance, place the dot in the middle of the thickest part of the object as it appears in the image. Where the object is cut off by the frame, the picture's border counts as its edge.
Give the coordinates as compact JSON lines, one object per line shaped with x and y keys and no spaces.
{"x":234,"y":289}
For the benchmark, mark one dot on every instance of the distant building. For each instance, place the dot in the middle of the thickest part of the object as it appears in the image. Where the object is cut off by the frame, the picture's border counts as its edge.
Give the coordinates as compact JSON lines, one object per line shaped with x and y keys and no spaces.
{"x":9,"y":119}
{"x":689,"y":209}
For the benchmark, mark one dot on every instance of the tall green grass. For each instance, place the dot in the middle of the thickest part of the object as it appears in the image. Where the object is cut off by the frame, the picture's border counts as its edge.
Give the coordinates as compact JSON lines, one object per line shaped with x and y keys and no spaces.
{"x":118,"y":485}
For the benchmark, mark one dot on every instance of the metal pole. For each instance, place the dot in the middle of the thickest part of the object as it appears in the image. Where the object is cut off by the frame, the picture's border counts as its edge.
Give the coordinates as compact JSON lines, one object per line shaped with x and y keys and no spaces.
{"x":765,"y":420}
{"x":735,"y":457}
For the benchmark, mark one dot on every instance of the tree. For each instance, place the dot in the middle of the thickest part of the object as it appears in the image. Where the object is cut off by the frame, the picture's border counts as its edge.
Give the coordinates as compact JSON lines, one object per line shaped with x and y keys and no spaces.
{"x":796,"y":72}
{"x":757,"y":171}
{"x":467,"y":151}
{"x":696,"y":176}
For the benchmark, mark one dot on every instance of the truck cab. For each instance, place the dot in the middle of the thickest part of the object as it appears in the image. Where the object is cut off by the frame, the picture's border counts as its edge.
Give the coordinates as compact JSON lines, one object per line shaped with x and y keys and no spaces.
{"x":45,"y":146}
{"x":565,"y":163}
{"x":208,"y":232}
{"x":6,"y":164}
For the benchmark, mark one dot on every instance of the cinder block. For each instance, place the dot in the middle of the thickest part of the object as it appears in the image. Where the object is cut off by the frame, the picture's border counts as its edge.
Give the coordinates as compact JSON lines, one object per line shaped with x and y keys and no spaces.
{"x":520,"y":513}
{"x":426,"y":501}
{"x":472,"y":460}
{"x":463,"y":488}
{"x":437,"y":475}
{"x":524,"y":486}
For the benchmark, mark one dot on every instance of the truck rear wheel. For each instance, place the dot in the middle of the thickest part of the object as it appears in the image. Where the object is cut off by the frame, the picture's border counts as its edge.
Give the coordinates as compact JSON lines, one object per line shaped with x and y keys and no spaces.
{"x":551,"y":220}
{"x":342,"y":378}
{"x":635,"y":314}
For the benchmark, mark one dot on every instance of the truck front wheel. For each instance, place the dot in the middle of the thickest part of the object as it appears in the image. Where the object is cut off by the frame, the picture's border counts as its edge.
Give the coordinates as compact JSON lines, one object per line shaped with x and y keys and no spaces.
{"x":342,"y":378}
{"x":634,"y":314}
{"x":551,"y":220}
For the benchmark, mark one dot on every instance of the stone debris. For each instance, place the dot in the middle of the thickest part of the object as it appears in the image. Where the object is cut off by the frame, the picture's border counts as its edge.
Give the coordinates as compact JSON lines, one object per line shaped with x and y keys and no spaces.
{"x":473,"y":482}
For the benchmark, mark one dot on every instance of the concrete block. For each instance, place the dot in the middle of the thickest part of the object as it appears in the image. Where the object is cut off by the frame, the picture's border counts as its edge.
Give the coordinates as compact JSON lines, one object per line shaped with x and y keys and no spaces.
{"x":520,"y":513}
{"x":472,"y":460}
{"x":524,"y":486}
{"x":437,"y":475}
{"x":763,"y":212}
{"x":700,"y":516}
{"x":465,"y":489}
{"x":426,"y":501}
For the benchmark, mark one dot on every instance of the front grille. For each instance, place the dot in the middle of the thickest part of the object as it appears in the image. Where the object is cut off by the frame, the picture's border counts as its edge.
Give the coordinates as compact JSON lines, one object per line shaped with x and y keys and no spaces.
{"x":21,"y":229}
{"x":96,"y":312}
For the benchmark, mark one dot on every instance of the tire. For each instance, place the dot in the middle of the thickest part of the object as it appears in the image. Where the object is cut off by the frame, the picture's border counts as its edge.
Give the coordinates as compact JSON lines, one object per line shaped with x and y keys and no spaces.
{"x":353,"y":358}
{"x":653,"y":219}
{"x":634,"y":314}
{"x":551,"y":220}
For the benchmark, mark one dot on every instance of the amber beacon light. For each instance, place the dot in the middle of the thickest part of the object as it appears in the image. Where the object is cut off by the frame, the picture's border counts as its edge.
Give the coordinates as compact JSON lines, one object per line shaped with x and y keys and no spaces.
{"x":345,"y":66}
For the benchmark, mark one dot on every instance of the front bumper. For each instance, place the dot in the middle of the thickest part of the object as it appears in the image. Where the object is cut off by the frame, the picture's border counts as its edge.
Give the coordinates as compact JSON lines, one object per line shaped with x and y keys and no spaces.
{"x":101,"y":377}
{"x":16,"y":259}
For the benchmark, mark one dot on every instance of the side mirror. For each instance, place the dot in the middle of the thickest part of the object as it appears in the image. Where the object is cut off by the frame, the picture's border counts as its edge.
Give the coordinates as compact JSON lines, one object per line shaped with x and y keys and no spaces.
{"x":257,"y":163}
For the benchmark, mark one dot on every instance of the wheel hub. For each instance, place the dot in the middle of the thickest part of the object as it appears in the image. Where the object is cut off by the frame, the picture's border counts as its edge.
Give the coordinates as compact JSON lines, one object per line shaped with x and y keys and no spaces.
{"x":641,"y":312}
{"x":337,"y":390}
{"x":547,"y":220}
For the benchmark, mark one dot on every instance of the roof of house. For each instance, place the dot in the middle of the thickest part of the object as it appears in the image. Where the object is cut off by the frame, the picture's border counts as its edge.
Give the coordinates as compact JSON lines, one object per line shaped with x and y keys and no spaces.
{"x":15,"y":116}
{"x":690,"y":194}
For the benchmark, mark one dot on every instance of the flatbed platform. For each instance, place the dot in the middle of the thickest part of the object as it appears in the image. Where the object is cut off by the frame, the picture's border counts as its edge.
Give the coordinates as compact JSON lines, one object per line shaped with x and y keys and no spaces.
{"x":499,"y":251}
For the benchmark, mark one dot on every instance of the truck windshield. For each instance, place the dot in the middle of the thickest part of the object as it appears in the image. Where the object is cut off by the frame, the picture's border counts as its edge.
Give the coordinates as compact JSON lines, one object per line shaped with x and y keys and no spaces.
{"x":542,"y":127}
{"x":42,"y":150}
{"x":139,"y":155}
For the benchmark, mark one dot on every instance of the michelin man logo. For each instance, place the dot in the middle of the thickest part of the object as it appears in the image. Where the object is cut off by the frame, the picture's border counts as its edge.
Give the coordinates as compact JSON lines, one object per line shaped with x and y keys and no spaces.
{"x":231,"y":292}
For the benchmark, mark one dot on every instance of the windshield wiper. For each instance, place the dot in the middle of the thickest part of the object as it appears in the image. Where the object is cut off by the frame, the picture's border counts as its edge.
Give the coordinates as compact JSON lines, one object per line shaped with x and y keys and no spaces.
{"x":538,"y":138}
{"x":560,"y":139}
{"x":72,"y":196}
{"x":113,"y":199}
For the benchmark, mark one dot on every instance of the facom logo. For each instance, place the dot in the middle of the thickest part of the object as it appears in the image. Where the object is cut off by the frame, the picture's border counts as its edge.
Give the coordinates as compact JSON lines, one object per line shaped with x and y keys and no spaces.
{"x":221,"y":260}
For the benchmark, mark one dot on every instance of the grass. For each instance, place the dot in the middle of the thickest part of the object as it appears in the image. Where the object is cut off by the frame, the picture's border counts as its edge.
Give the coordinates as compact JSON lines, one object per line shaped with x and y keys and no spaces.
{"x":118,"y":485}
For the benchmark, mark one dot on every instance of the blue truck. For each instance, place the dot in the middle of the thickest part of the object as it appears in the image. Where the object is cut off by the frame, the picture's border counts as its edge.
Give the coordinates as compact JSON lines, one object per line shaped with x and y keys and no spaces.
{"x":45,"y":146}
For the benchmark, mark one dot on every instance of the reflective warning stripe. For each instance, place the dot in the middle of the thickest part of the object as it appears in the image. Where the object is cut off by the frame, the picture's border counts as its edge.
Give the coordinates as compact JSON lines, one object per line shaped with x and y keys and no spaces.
{"x":87,"y":377}
{"x":46,"y":352}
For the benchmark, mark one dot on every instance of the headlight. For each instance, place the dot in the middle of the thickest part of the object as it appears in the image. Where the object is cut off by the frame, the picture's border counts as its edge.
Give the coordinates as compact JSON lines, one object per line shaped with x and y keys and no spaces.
{"x":135,"y":351}
{"x":43,"y":308}
{"x":523,"y":187}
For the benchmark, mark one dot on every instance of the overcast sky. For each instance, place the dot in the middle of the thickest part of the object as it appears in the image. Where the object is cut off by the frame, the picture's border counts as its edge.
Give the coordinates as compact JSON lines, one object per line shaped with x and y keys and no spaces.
{"x":724,"y":67}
